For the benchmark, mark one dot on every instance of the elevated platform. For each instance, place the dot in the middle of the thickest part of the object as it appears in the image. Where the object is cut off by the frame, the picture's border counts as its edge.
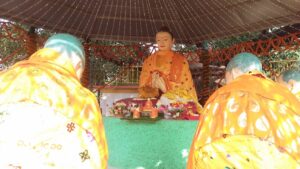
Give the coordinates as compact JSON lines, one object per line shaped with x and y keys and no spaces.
{"x":162,"y":144}
{"x":110,"y":94}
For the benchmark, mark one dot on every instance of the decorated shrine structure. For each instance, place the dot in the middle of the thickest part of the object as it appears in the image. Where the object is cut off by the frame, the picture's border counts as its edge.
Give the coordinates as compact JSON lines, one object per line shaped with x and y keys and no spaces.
{"x":207,"y":67}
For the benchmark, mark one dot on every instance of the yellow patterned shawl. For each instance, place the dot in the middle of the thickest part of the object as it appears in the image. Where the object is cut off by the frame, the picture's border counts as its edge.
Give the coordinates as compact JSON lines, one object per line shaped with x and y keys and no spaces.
{"x":49,"y":80}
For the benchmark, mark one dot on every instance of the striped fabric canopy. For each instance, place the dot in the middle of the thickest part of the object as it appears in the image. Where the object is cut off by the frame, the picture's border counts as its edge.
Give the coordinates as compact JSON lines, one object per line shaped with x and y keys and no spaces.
{"x":191,"y":21}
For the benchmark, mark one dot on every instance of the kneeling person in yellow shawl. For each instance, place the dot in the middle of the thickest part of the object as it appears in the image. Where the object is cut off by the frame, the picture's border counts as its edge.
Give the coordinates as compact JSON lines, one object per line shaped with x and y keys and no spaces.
{"x":291,"y":79}
{"x":48,"y":120}
{"x":167,"y":72}
{"x":251,"y":122}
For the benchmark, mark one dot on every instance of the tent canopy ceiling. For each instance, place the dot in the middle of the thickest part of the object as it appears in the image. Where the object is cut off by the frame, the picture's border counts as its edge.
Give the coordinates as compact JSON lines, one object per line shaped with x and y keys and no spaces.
{"x":191,"y":21}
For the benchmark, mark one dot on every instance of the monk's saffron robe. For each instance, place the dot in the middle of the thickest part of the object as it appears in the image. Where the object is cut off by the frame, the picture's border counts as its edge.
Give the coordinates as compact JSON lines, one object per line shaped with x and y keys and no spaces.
{"x":174,"y":69}
{"x":48,"y":119}
{"x":251,"y":122}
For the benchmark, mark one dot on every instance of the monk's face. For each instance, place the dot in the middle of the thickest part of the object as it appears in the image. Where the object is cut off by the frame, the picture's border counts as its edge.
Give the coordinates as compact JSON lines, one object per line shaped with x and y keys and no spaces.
{"x":164,"y":41}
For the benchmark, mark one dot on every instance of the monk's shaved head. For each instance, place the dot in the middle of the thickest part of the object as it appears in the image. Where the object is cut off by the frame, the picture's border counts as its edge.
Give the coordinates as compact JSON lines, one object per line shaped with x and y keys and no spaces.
{"x":69,"y":47}
{"x":241,"y":64}
{"x":63,"y":42}
{"x":291,"y":75}
{"x":245,"y":62}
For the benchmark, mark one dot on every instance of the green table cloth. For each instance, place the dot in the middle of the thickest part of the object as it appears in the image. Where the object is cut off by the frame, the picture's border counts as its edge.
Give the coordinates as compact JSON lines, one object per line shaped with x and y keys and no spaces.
{"x":162,"y":144}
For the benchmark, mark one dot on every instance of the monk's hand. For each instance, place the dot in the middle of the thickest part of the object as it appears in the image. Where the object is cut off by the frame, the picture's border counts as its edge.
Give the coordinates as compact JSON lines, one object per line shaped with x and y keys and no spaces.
{"x":160,"y":83}
{"x":155,"y":77}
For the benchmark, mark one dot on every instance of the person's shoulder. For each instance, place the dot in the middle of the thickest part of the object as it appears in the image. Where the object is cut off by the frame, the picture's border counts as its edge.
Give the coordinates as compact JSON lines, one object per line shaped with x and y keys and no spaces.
{"x":179,"y":55}
{"x":87,"y":95}
{"x":149,"y":57}
{"x":218,"y":92}
{"x":263,"y":87}
{"x":249,"y":83}
{"x":242,"y":83}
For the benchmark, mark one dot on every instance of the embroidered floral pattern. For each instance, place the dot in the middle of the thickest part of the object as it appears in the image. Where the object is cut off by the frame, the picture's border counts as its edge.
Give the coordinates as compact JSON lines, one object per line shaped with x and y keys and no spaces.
{"x":84,"y":155}
{"x":71,"y":127}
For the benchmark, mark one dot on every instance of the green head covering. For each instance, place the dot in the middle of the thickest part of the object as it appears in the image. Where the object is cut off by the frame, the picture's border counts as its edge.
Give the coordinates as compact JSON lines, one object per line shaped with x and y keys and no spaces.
{"x":245,"y":62}
{"x":66,"y":42}
{"x":291,"y":75}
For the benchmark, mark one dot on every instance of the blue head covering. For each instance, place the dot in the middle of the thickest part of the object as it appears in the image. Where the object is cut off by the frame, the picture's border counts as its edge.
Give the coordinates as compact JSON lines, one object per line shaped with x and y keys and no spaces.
{"x":66,"y":42}
{"x":245,"y":62}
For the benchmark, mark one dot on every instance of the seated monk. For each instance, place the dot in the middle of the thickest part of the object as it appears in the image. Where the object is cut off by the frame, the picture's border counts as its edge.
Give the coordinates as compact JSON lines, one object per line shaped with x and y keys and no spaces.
{"x":167,"y":72}
{"x":291,"y":79}
{"x":48,"y":120}
{"x":251,"y":122}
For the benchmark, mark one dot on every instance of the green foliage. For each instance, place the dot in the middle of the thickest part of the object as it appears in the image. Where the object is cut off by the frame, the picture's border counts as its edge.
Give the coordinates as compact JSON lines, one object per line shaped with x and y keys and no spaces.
{"x":230,"y":41}
{"x":11,"y":42}
{"x":273,"y":64}
{"x":185,"y":47}
{"x":281,"y":61}
{"x":102,"y":71}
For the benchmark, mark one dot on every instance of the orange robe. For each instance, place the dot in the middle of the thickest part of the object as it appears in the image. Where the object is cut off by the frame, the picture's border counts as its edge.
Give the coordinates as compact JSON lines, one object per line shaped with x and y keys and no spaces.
{"x":298,"y":95}
{"x":49,"y":83}
{"x":252,"y":122}
{"x":174,"y":69}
